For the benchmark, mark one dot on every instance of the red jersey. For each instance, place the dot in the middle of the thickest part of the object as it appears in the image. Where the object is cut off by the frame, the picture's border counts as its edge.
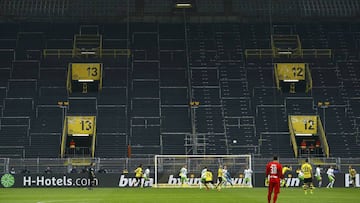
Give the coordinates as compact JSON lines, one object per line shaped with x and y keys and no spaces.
{"x":274,"y":171}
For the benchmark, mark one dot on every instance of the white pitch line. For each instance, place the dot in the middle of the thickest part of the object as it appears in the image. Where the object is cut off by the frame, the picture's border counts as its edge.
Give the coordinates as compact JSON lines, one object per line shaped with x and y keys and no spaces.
{"x":77,"y":201}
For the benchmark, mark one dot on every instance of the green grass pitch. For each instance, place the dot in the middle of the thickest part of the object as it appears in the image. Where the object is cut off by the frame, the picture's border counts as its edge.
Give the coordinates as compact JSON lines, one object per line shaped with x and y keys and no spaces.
{"x":175,"y":195}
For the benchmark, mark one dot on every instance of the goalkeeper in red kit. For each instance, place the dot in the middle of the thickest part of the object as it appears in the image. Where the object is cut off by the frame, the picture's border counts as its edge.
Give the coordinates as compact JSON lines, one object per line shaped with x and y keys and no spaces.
{"x":274,"y":175}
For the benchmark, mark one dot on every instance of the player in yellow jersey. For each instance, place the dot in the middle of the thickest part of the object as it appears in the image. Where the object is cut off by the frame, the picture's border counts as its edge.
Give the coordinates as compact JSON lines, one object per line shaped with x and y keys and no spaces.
{"x":285,"y":169}
{"x":220,"y":177}
{"x":209,"y":179}
{"x":138,"y":175}
{"x":306,"y":168}
{"x":352,"y":173}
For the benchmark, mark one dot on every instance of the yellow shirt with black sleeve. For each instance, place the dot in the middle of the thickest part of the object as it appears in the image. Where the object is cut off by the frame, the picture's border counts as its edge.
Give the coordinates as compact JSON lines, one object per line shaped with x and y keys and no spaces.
{"x":285,"y":169}
{"x":208,"y":176}
{"x":352,"y":173}
{"x":138,"y":172}
{"x":306,"y":168}
{"x":220,"y":173}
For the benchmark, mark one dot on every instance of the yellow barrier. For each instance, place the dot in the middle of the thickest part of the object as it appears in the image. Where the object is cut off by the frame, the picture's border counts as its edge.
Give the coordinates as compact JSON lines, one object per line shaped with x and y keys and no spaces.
{"x":277,"y":77}
{"x":63,"y":139}
{"x":93,"y":140}
{"x":292,"y":136}
{"x":68,"y":80}
{"x":323,"y":139}
{"x":308,"y":80}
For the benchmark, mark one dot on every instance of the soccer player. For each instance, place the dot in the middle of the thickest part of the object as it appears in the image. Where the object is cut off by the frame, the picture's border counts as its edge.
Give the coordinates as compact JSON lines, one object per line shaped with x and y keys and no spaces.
{"x":138,"y":175}
{"x":91,"y":175}
{"x":306,"y":168}
{"x":146,"y":176}
{"x":220,"y":177}
{"x":352,"y":174}
{"x":284,"y":171}
{"x":248,"y":173}
{"x":227,"y":176}
{"x":274,"y":174}
{"x":300,"y":175}
{"x":203,"y":177}
{"x":183,"y":175}
{"x":331,"y":177}
{"x":209,"y":179}
{"x":318,"y":175}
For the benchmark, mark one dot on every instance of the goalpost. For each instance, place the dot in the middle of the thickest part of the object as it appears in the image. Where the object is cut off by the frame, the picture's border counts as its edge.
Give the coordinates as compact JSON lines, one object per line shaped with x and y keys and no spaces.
{"x":167,"y":167}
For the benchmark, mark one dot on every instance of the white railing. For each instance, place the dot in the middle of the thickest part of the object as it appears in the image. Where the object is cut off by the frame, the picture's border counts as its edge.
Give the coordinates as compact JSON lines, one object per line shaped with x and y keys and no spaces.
{"x":117,"y":165}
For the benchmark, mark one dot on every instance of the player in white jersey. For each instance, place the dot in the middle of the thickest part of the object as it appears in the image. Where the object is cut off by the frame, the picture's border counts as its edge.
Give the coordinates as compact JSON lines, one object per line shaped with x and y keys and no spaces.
{"x":146,"y":176}
{"x":248,"y":173}
{"x":318,"y":175}
{"x":183,"y":175}
{"x":331,"y":177}
{"x":300,"y":175}
{"x":202,"y":178}
{"x":227,"y":176}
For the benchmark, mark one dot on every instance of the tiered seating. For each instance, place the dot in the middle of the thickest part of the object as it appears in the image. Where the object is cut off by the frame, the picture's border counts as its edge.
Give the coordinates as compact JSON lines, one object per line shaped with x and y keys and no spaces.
{"x":145,"y":90}
{"x":324,"y":77}
{"x":257,"y":35}
{"x":229,"y":44}
{"x":271,"y":119}
{"x":300,"y":105}
{"x":4,"y":76}
{"x":48,"y":119}
{"x":22,"y":88}
{"x":241,"y":135}
{"x":111,"y":120}
{"x":25,"y":69}
{"x":237,"y":107}
{"x":174,"y":90}
{"x":175,"y":120}
{"x":111,"y":145}
{"x":51,"y":95}
{"x":145,"y":99}
{"x":276,"y":143}
{"x":173,"y":143}
{"x":145,"y":41}
{"x":44,"y":145}
{"x":350,"y":77}
{"x":13,"y":137}
{"x":52,"y":77}
{"x":3,"y":92}
{"x":354,"y":111}
{"x":208,"y":119}
{"x":18,"y":107}
{"x":6,"y":56}
{"x":82,"y":105}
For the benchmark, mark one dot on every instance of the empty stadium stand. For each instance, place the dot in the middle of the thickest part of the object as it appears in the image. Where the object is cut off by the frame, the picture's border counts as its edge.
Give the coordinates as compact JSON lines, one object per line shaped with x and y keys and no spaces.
{"x":146,"y":98}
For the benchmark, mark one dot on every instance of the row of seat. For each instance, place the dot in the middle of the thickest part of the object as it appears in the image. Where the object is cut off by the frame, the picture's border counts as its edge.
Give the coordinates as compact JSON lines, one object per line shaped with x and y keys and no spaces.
{"x":145,"y":98}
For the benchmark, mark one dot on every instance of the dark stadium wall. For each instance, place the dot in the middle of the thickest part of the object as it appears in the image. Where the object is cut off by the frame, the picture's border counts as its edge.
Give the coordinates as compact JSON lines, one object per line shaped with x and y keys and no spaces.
{"x":84,"y":11}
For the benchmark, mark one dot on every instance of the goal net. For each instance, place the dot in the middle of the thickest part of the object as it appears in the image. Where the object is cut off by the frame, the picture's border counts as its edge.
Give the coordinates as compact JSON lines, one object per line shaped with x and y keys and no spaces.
{"x":167,"y":168}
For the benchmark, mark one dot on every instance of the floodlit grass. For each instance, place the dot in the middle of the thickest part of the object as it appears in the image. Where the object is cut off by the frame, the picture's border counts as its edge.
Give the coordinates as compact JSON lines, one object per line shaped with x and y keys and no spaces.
{"x":176,"y":195}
